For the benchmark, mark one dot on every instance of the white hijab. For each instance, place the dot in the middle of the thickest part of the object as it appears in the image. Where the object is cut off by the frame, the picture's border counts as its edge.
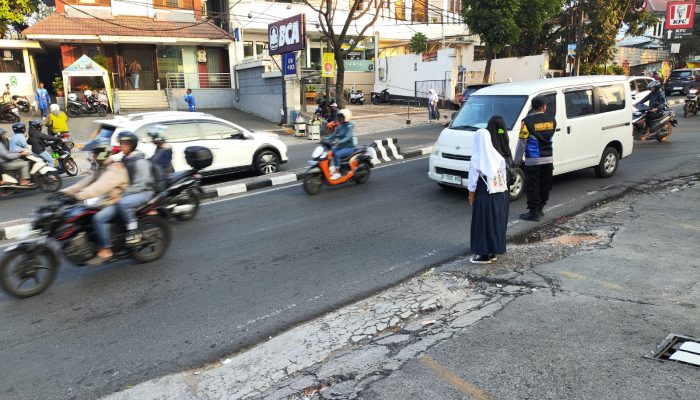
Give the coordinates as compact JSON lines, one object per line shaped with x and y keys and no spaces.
{"x":433,"y":95}
{"x":485,"y":159}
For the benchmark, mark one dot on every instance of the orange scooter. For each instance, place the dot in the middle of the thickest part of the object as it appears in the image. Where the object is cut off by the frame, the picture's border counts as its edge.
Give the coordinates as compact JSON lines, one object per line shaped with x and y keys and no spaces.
{"x":355,"y":168}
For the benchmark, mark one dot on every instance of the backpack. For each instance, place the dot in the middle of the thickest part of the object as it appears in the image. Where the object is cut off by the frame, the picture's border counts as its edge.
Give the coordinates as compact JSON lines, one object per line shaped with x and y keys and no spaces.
{"x":158,"y":182}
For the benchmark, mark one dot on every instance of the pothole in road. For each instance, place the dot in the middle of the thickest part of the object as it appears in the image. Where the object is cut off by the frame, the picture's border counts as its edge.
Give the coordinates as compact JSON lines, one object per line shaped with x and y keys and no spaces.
{"x":677,"y":348}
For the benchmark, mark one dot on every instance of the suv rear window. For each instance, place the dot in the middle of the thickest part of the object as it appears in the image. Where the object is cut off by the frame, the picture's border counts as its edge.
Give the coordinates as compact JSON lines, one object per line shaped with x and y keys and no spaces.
{"x":680,"y":74}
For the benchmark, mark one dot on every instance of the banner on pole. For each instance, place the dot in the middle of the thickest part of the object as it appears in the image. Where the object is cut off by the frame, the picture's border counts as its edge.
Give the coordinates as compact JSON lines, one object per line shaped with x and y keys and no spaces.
{"x":328,"y":70}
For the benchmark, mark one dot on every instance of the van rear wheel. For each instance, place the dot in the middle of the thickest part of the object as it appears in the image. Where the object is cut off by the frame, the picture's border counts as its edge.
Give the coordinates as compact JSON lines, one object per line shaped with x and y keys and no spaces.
{"x":608,"y":163}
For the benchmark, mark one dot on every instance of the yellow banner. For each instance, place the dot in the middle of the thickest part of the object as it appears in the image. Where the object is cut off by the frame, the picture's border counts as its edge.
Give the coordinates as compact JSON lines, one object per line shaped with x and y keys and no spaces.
{"x":328,"y":66}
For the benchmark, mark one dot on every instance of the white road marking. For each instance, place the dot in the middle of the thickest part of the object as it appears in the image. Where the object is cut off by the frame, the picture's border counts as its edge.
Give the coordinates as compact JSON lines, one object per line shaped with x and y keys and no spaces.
{"x":231,"y":189}
{"x":394,"y":150}
{"x":282,"y":179}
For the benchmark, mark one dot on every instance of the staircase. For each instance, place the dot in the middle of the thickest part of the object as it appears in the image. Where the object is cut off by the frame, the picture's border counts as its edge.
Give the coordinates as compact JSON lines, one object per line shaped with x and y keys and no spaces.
{"x":138,"y":100}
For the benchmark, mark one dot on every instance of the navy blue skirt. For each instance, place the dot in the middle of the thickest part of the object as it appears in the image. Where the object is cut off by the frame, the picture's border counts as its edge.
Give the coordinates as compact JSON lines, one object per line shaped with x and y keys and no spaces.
{"x":489,"y":221}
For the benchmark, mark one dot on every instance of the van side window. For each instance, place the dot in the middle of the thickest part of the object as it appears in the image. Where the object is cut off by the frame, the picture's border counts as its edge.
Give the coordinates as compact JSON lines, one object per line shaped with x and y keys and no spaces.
{"x":551,"y":100}
{"x":642,"y":85}
{"x":578,"y":103}
{"x":611,"y":98}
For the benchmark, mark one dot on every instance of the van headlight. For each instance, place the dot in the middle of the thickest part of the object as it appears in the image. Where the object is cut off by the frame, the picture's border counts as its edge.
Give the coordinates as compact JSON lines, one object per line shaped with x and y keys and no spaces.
{"x":436,"y":151}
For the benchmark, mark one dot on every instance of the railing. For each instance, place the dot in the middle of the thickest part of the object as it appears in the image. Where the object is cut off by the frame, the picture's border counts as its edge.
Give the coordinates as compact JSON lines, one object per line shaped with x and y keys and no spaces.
{"x":181,"y":80}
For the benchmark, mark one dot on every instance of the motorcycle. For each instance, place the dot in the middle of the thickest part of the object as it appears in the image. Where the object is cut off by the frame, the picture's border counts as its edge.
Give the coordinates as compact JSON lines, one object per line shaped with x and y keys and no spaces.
{"x":357,"y":97}
{"x":183,"y":190}
{"x":381,"y":97}
{"x":355,"y":168}
{"x":691,"y":103}
{"x":28,"y":268}
{"x":42,"y":176}
{"x":9,"y":113}
{"x":660,"y":128}
{"x":22,"y":103}
{"x":63,"y":160}
{"x":66,"y":139}
{"x":91,"y":105}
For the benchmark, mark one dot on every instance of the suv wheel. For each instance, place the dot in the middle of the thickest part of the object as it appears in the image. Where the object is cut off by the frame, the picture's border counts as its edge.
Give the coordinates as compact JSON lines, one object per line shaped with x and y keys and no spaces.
{"x":266,"y":162}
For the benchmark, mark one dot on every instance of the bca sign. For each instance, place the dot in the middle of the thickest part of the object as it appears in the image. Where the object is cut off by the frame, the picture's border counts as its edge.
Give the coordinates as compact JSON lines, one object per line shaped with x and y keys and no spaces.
{"x":287,"y":35}
{"x":680,"y":14}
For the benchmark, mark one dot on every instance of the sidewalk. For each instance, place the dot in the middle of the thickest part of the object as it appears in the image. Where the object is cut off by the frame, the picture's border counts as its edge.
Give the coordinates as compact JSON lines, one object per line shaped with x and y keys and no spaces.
{"x":568,"y":313}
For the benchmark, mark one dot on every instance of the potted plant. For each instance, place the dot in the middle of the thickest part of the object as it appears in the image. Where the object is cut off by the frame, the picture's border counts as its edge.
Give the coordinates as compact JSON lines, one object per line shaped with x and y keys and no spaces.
{"x":58,"y":86}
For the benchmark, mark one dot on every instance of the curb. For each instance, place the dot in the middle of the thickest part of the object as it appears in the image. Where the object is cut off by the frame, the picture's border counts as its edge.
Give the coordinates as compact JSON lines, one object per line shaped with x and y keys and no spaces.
{"x":14,"y":229}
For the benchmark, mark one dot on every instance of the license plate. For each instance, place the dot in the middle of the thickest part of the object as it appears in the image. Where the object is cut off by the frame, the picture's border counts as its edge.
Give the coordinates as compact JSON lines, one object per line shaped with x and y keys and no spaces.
{"x":677,"y":88}
{"x":455,"y":180}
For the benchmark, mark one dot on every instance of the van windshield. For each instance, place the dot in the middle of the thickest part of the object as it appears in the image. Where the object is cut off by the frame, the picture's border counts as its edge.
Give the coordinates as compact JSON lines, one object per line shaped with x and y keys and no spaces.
{"x":477,"y":111}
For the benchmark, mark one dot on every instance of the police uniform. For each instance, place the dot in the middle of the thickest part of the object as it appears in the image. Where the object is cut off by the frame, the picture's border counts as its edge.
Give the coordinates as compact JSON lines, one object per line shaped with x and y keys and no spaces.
{"x":536,"y":136}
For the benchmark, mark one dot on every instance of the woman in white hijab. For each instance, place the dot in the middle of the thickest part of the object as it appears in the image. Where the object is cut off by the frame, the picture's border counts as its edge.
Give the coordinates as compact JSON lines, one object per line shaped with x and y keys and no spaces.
{"x":488,"y":195}
{"x":432,"y":105}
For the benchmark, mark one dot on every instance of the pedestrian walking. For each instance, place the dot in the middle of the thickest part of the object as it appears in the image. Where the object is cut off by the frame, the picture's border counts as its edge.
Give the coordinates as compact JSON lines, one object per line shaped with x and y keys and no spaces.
{"x":189,"y":99}
{"x":433,"y":113}
{"x":488,"y":196}
{"x":536,"y":134}
{"x":135,"y":72}
{"x":43,"y":100}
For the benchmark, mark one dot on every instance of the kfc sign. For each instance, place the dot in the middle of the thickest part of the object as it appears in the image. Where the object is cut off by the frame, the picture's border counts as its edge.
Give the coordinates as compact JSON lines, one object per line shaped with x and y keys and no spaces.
{"x":287,"y":35}
{"x":680,"y":15}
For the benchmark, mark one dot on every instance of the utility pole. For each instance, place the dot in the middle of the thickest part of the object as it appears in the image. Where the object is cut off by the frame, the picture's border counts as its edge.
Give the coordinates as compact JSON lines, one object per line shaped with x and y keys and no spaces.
{"x":579,"y":38}
{"x":328,"y":80}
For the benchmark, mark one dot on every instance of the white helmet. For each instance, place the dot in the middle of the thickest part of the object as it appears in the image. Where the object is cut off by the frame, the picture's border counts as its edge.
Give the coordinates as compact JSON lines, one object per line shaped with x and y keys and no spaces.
{"x":54,"y":108}
{"x":87,"y":93}
{"x":347,"y":114}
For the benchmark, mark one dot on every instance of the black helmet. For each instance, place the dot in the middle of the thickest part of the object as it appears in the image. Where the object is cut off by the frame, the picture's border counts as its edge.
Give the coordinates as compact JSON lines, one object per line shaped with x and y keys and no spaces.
{"x":18,"y":127}
{"x":36,"y":124}
{"x":653,"y":85}
{"x":129,"y":137}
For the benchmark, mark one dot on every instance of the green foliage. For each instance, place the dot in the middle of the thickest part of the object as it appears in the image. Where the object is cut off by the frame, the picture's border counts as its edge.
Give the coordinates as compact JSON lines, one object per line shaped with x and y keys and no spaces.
{"x":13,"y":13}
{"x":418,"y":43}
{"x":536,"y":21}
{"x":57,"y":83}
{"x":613,"y":69}
{"x":102,"y":60}
{"x":494,"y":21}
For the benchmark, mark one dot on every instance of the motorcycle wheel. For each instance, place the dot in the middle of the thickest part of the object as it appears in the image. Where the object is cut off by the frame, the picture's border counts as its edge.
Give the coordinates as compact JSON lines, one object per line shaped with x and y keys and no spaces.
{"x":50,"y":182}
{"x":686,"y":111}
{"x":517,"y":189}
{"x":312,"y":183}
{"x":353,"y":101}
{"x":18,"y":268}
{"x":70,"y":167}
{"x":101,"y":110}
{"x":72,"y":110}
{"x":669,"y":129}
{"x":23,"y":107}
{"x":190,"y":197}
{"x":156,"y":239}
{"x":362,"y":174}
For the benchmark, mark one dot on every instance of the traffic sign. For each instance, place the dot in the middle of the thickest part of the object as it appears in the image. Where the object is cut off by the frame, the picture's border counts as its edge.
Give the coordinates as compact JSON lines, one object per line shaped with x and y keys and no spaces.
{"x":571,"y":50}
{"x":290,"y":63}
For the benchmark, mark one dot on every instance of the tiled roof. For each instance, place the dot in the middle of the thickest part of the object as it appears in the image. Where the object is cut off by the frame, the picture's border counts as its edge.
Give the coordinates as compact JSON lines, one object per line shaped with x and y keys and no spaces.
{"x":59,"y":24}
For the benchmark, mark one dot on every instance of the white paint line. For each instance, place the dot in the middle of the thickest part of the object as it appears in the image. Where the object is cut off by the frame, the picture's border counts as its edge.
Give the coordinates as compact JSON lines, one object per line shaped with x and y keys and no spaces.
{"x":555,"y":206}
{"x":426,"y":150}
{"x":231,"y":189}
{"x":12,"y":232}
{"x":282,"y":179}
{"x":591,"y":193}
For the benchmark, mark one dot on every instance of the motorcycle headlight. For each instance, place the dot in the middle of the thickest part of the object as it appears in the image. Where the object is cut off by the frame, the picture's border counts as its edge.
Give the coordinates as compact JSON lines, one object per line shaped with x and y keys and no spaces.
{"x":693,"y":91}
{"x":318,"y":152}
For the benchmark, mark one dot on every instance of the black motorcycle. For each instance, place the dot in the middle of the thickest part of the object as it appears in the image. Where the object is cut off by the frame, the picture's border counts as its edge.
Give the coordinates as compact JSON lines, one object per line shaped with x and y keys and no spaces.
{"x":22,"y":103}
{"x":90,"y":106}
{"x":381,"y":97}
{"x":691,"y":103}
{"x":63,"y":159}
{"x":660,"y":129}
{"x":183,"y":191}
{"x":9,"y":113}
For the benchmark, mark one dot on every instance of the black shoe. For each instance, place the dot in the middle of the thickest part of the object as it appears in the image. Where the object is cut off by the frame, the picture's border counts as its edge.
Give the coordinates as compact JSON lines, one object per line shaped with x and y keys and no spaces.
{"x":133,"y":238}
{"x":540,"y":212}
{"x":486,"y":259}
{"x":531,"y":216}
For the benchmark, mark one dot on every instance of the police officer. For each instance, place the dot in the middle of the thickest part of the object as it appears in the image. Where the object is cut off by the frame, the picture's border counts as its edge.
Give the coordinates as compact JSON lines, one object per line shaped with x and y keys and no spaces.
{"x":536,"y":135}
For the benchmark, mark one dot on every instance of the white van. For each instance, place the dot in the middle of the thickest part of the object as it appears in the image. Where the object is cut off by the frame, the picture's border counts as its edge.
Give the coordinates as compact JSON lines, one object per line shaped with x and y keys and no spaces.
{"x":594,"y":125}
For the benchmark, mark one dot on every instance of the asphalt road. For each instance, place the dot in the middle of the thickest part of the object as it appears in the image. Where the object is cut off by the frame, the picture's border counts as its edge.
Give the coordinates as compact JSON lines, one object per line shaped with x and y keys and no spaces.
{"x":256,"y":264}
{"x":20,"y":205}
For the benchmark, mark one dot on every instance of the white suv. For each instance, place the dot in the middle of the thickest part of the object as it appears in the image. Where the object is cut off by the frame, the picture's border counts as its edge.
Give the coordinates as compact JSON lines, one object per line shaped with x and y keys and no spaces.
{"x":235,"y":148}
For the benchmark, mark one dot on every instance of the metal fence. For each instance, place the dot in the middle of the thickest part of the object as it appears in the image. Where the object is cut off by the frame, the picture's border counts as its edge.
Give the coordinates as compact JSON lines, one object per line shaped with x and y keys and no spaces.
{"x":182,"y":80}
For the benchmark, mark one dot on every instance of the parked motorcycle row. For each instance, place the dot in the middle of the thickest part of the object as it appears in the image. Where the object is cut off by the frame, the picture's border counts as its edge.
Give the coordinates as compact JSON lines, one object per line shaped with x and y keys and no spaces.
{"x":90,"y":105}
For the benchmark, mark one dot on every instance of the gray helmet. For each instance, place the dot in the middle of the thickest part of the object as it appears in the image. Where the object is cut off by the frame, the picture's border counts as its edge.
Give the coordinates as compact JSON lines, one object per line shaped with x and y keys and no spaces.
{"x":653,"y":84}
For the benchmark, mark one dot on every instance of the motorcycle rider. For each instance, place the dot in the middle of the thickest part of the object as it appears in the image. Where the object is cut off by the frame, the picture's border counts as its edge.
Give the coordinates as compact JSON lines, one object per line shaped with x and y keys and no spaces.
{"x":163,"y":156}
{"x":657,"y":105}
{"x":18,"y":141}
{"x":108,"y":181}
{"x":10,"y":161}
{"x":57,"y":122}
{"x":38,"y":140}
{"x":141,"y":185}
{"x":343,"y":141}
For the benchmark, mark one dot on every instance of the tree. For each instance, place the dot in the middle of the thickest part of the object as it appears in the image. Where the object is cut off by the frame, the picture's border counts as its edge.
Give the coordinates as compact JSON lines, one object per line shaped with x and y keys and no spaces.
{"x":418,"y":43}
{"x":335,"y":23}
{"x":537,"y":19}
{"x":494,"y":21}
{"x":14,"y":14}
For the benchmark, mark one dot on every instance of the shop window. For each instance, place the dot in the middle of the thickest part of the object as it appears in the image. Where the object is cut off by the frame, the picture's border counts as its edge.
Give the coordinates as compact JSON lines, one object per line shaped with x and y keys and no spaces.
{"x":11,"y":61}
{"x":261,"y":49}
{"x":455,"y":6}
{"x":247,"y":49}
{"x":181,"y":4}
{"x":420,"y":11}
{"x":400,"y":10}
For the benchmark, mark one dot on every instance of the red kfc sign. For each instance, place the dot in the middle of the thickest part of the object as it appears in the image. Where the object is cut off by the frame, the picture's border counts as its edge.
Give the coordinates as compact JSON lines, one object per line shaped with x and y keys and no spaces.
{"x":680,"y":14}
